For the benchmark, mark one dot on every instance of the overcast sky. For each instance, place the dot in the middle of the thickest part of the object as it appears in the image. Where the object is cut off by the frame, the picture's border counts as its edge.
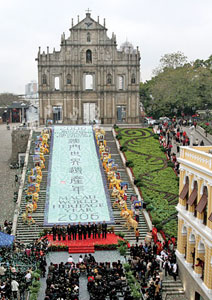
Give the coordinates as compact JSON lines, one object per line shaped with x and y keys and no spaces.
{"x":156,"y":26}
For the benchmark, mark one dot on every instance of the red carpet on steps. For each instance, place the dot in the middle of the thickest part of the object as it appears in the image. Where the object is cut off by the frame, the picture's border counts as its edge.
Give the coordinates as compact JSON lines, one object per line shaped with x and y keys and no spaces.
{"x":84,"y":246}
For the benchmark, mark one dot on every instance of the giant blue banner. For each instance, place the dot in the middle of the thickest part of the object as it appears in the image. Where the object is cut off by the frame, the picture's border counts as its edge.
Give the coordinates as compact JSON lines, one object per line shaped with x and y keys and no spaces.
{"x":76,"y":189}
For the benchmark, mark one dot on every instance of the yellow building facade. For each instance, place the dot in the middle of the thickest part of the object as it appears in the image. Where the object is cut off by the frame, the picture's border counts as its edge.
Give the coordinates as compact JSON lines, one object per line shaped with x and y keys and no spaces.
{"x":194,"y":250}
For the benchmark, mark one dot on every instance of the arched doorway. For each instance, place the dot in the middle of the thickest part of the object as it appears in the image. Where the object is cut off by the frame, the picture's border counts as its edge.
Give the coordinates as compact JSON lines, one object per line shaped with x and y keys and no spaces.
{"x":184,"y":240}
{"x":200,"y":260}
{"x":190,"y":254}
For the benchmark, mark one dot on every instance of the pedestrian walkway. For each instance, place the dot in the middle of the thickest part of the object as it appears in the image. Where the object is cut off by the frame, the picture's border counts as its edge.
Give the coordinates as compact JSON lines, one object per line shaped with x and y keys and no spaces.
{"x":194,"y":134}
{"x":7,"y":176}
{"x":57,"y":257}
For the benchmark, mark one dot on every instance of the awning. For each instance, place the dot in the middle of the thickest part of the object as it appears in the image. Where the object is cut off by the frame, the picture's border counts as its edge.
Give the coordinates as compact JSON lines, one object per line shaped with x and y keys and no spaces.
{"x":202,"y":203}
{"x":192,"y":197}
{"x":210,"y":217}
{"x":184,"y":191}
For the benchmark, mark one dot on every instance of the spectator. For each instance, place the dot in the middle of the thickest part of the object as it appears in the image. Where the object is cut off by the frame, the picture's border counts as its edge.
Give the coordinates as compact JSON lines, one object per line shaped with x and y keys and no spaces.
{"x":14,"y":288}
{"x":70,"y":259}
{"x":137,"y":234}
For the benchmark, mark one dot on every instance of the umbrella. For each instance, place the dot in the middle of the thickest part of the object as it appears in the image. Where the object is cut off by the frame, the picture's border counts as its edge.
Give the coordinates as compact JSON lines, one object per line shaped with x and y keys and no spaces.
{"x":6,"y":240}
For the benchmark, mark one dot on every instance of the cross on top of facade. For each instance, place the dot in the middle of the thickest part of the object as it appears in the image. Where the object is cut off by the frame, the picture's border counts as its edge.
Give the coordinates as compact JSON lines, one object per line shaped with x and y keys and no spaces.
{"x":88,"y":11}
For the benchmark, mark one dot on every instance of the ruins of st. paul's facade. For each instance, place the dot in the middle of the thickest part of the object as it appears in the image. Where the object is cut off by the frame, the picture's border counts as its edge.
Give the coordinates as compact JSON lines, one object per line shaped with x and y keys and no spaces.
{"x":89,"y":78}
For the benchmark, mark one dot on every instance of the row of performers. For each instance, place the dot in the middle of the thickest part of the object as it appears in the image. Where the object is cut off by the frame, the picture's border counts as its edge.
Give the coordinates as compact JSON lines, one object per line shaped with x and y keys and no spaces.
{"x":118,"y":187}
{"x":79,"y":231}
{"x":35,"y":176}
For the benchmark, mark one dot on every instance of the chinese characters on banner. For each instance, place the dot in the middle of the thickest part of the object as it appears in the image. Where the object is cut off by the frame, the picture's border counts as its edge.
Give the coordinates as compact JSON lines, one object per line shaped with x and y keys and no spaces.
{"x":76,"y":191}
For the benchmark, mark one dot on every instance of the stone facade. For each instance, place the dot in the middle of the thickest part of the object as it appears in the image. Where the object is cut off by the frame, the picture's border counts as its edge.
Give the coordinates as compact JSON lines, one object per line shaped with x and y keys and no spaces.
{"x":89,"y":79}
{"x":194,"y":249}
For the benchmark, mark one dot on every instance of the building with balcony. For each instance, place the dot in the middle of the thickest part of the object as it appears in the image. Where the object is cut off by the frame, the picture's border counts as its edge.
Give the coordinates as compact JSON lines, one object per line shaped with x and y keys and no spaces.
{"x":194,"y":249}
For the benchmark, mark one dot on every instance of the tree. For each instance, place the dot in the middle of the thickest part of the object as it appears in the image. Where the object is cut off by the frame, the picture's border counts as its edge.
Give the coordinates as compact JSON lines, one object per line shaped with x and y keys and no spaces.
{"x":171,"y":61}
{"x":8,"y":98}
{"x":178,"y":89}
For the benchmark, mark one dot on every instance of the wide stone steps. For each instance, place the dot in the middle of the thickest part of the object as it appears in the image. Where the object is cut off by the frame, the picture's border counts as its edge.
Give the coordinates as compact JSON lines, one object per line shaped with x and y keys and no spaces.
{"x":129,"y":234}
{"x":172,"y":289}
{"x":27,"y":234}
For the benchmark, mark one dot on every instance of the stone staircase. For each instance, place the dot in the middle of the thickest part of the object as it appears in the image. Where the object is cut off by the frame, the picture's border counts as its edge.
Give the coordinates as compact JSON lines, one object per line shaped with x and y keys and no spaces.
{"x":172,"y":289}
{"x":26,"y":234}
{"x":119,"y":221}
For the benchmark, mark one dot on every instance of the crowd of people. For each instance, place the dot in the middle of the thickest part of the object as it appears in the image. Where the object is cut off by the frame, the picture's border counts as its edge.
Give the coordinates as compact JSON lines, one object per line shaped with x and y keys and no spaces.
{"x":6,"y":227}
{"x":79,"y":231}
{"x":148,"y":260}
{"x":171,"y":132}
{"x":62,"y":282}
{"x":16,"y":266}
{"x":104,"y":279}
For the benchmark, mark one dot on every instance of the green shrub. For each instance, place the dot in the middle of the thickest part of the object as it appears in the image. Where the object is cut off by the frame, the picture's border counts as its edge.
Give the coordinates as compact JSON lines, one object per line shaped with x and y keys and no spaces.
{"x":155,"y":221}
{"x":135,"y":292}
{"x":137,"y":180}
{"x":105,"y":246}
{"x":129,"y":164}
{"x":170,"y":164}
{"x":123,"y":148}
{"x":121,"y":234}
{"x":159,"y":227}
{"x":122,"y":243}
{"x":122,"y":250}
{"x":126,"y":267}
{"x":115,"y":126}
{"x":118,"y":137}
{"x":43,"y":232}
{"x":149,"y":207}
{"x":139,"y":184}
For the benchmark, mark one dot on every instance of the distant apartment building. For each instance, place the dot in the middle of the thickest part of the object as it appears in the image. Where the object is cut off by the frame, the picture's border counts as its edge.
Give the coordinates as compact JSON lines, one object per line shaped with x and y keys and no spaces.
{"x":194,"y":249}
{"x":31,"y":90}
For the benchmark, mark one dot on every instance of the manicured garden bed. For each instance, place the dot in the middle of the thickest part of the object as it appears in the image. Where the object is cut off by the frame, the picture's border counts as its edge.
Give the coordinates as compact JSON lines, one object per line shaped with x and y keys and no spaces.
{"x":157,"y":181}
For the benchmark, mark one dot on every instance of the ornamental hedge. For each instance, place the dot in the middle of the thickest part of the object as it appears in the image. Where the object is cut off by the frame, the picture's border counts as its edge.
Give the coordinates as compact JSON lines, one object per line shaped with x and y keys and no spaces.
{"x":153,"y":174}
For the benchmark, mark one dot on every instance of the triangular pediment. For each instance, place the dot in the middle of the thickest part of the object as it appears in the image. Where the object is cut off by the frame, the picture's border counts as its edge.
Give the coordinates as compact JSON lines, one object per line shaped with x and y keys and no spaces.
{"x":88,"y":23}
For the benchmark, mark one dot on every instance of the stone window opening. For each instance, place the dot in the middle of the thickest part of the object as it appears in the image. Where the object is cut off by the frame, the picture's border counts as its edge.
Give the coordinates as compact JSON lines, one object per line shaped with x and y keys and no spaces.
{"x":44,"y":79}
{"x":109,"y":79}
{"x":133,"y":79}
{"x":88,"y":57}
{"x":121,"y":82}
{"x":89,"y":82}
{"x":88,"y":37}
{"x":57,"y":83}
{"x":68,"y":81}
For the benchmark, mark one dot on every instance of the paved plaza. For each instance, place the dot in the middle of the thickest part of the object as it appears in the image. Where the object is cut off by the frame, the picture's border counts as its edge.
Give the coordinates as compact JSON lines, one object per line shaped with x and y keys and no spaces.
{"x":7,"y":176}
{"x":58,"y":257}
